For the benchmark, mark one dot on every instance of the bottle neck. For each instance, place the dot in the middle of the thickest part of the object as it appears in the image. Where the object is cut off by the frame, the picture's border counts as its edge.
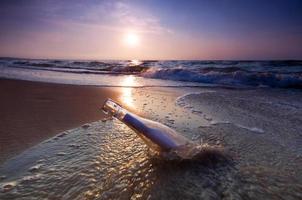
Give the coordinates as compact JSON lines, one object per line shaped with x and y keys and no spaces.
{"x":114,"y":109}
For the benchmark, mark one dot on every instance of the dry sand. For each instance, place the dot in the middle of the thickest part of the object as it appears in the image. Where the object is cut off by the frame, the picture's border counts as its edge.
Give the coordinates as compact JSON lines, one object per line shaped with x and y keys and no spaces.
{"x":31,"y":112}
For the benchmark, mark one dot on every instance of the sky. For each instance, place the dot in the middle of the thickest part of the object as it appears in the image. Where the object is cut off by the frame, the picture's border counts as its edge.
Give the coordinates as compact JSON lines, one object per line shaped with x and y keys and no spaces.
{"x":151,"y":29}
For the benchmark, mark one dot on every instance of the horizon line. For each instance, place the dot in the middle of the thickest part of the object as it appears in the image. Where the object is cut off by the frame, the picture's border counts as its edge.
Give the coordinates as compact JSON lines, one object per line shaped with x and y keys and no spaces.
{"x":111,"y":59}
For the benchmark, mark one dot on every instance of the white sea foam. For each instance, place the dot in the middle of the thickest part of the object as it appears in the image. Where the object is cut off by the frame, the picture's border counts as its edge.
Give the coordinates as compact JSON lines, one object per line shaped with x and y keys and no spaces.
{"x":253,"y":129}
{"x":181,"y":101}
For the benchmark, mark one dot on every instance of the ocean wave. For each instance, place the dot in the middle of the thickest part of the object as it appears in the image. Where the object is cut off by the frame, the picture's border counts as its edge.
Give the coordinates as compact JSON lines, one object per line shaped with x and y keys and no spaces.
{"x":97,"y":67}
{"x":283,"y":74}
{"x":228,"y":76}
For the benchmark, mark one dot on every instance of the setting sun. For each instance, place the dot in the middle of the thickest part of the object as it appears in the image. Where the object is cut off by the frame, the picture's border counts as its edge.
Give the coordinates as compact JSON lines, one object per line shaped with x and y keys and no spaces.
{"x":131,"y":39}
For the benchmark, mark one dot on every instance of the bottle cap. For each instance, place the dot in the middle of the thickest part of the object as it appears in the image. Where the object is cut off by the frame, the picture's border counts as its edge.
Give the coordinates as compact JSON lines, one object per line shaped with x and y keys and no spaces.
{"x":110,"y":107}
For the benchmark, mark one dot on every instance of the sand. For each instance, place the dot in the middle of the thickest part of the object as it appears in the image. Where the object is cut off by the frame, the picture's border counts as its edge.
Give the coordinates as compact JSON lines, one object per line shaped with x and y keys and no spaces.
{"x":31,"y":112}
{"x":255,"y":132}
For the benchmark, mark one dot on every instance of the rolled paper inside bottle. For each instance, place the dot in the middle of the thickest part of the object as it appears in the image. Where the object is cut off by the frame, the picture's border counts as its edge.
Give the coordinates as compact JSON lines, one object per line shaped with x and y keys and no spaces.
{"x":155,"y":135}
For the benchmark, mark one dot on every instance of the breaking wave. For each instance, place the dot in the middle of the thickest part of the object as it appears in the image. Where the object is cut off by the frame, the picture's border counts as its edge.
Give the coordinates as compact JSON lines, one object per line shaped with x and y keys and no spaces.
{"x":228,"y":76}
{"x":281,"y":74}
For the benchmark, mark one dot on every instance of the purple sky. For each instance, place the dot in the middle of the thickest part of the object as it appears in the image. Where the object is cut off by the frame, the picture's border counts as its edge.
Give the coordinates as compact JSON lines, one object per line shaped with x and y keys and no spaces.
{"x":201,"y":29}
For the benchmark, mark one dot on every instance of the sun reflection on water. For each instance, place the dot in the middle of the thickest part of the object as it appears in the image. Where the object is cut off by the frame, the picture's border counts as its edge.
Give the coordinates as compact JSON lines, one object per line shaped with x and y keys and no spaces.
{"x":127,"y":91}
{"x":135,"y":62}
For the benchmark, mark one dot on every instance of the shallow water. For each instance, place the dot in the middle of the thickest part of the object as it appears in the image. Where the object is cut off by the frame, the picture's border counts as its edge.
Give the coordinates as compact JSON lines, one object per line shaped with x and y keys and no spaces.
{"x":101,"y":160}
{"x":106,"y":160}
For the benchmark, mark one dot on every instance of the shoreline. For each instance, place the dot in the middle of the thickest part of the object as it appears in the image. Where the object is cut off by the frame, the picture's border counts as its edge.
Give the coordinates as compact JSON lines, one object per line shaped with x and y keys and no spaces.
{"x":35,"y":111}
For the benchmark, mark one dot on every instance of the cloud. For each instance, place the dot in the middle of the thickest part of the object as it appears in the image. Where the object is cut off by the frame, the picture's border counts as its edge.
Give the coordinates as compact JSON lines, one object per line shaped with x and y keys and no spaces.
{"x":140,"y":20}
{"x":106,"y":14}
{"x":48,"y":29}
{"x":118,"y":16}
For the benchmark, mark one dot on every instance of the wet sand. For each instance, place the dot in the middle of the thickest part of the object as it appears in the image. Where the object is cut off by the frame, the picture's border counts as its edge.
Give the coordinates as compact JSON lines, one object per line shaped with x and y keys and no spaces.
{"x":106,"y":160}
{"x":258,"y":131}
{"x":32,"y":112}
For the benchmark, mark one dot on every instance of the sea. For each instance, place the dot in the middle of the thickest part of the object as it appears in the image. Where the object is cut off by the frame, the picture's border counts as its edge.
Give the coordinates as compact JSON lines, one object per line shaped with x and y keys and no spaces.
{"x":275,"y":74}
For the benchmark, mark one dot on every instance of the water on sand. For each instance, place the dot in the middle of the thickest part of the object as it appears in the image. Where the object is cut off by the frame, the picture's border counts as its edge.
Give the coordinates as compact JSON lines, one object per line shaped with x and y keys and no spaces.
{"x":106,"y":160}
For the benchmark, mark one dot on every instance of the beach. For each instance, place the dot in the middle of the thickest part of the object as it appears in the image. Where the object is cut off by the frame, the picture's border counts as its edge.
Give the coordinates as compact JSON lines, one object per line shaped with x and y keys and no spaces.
{"x":58,"y":144}
{"x":151,"y":100}
{"x":32,"y":112}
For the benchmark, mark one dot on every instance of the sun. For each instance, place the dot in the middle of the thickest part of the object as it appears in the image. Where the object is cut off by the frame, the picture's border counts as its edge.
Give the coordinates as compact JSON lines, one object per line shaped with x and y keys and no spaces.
{"x":131,"y":39}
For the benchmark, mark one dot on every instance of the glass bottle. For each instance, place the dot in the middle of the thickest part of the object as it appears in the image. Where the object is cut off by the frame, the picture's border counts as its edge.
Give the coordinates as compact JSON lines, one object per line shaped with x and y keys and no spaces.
{"x":157,"y":136}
